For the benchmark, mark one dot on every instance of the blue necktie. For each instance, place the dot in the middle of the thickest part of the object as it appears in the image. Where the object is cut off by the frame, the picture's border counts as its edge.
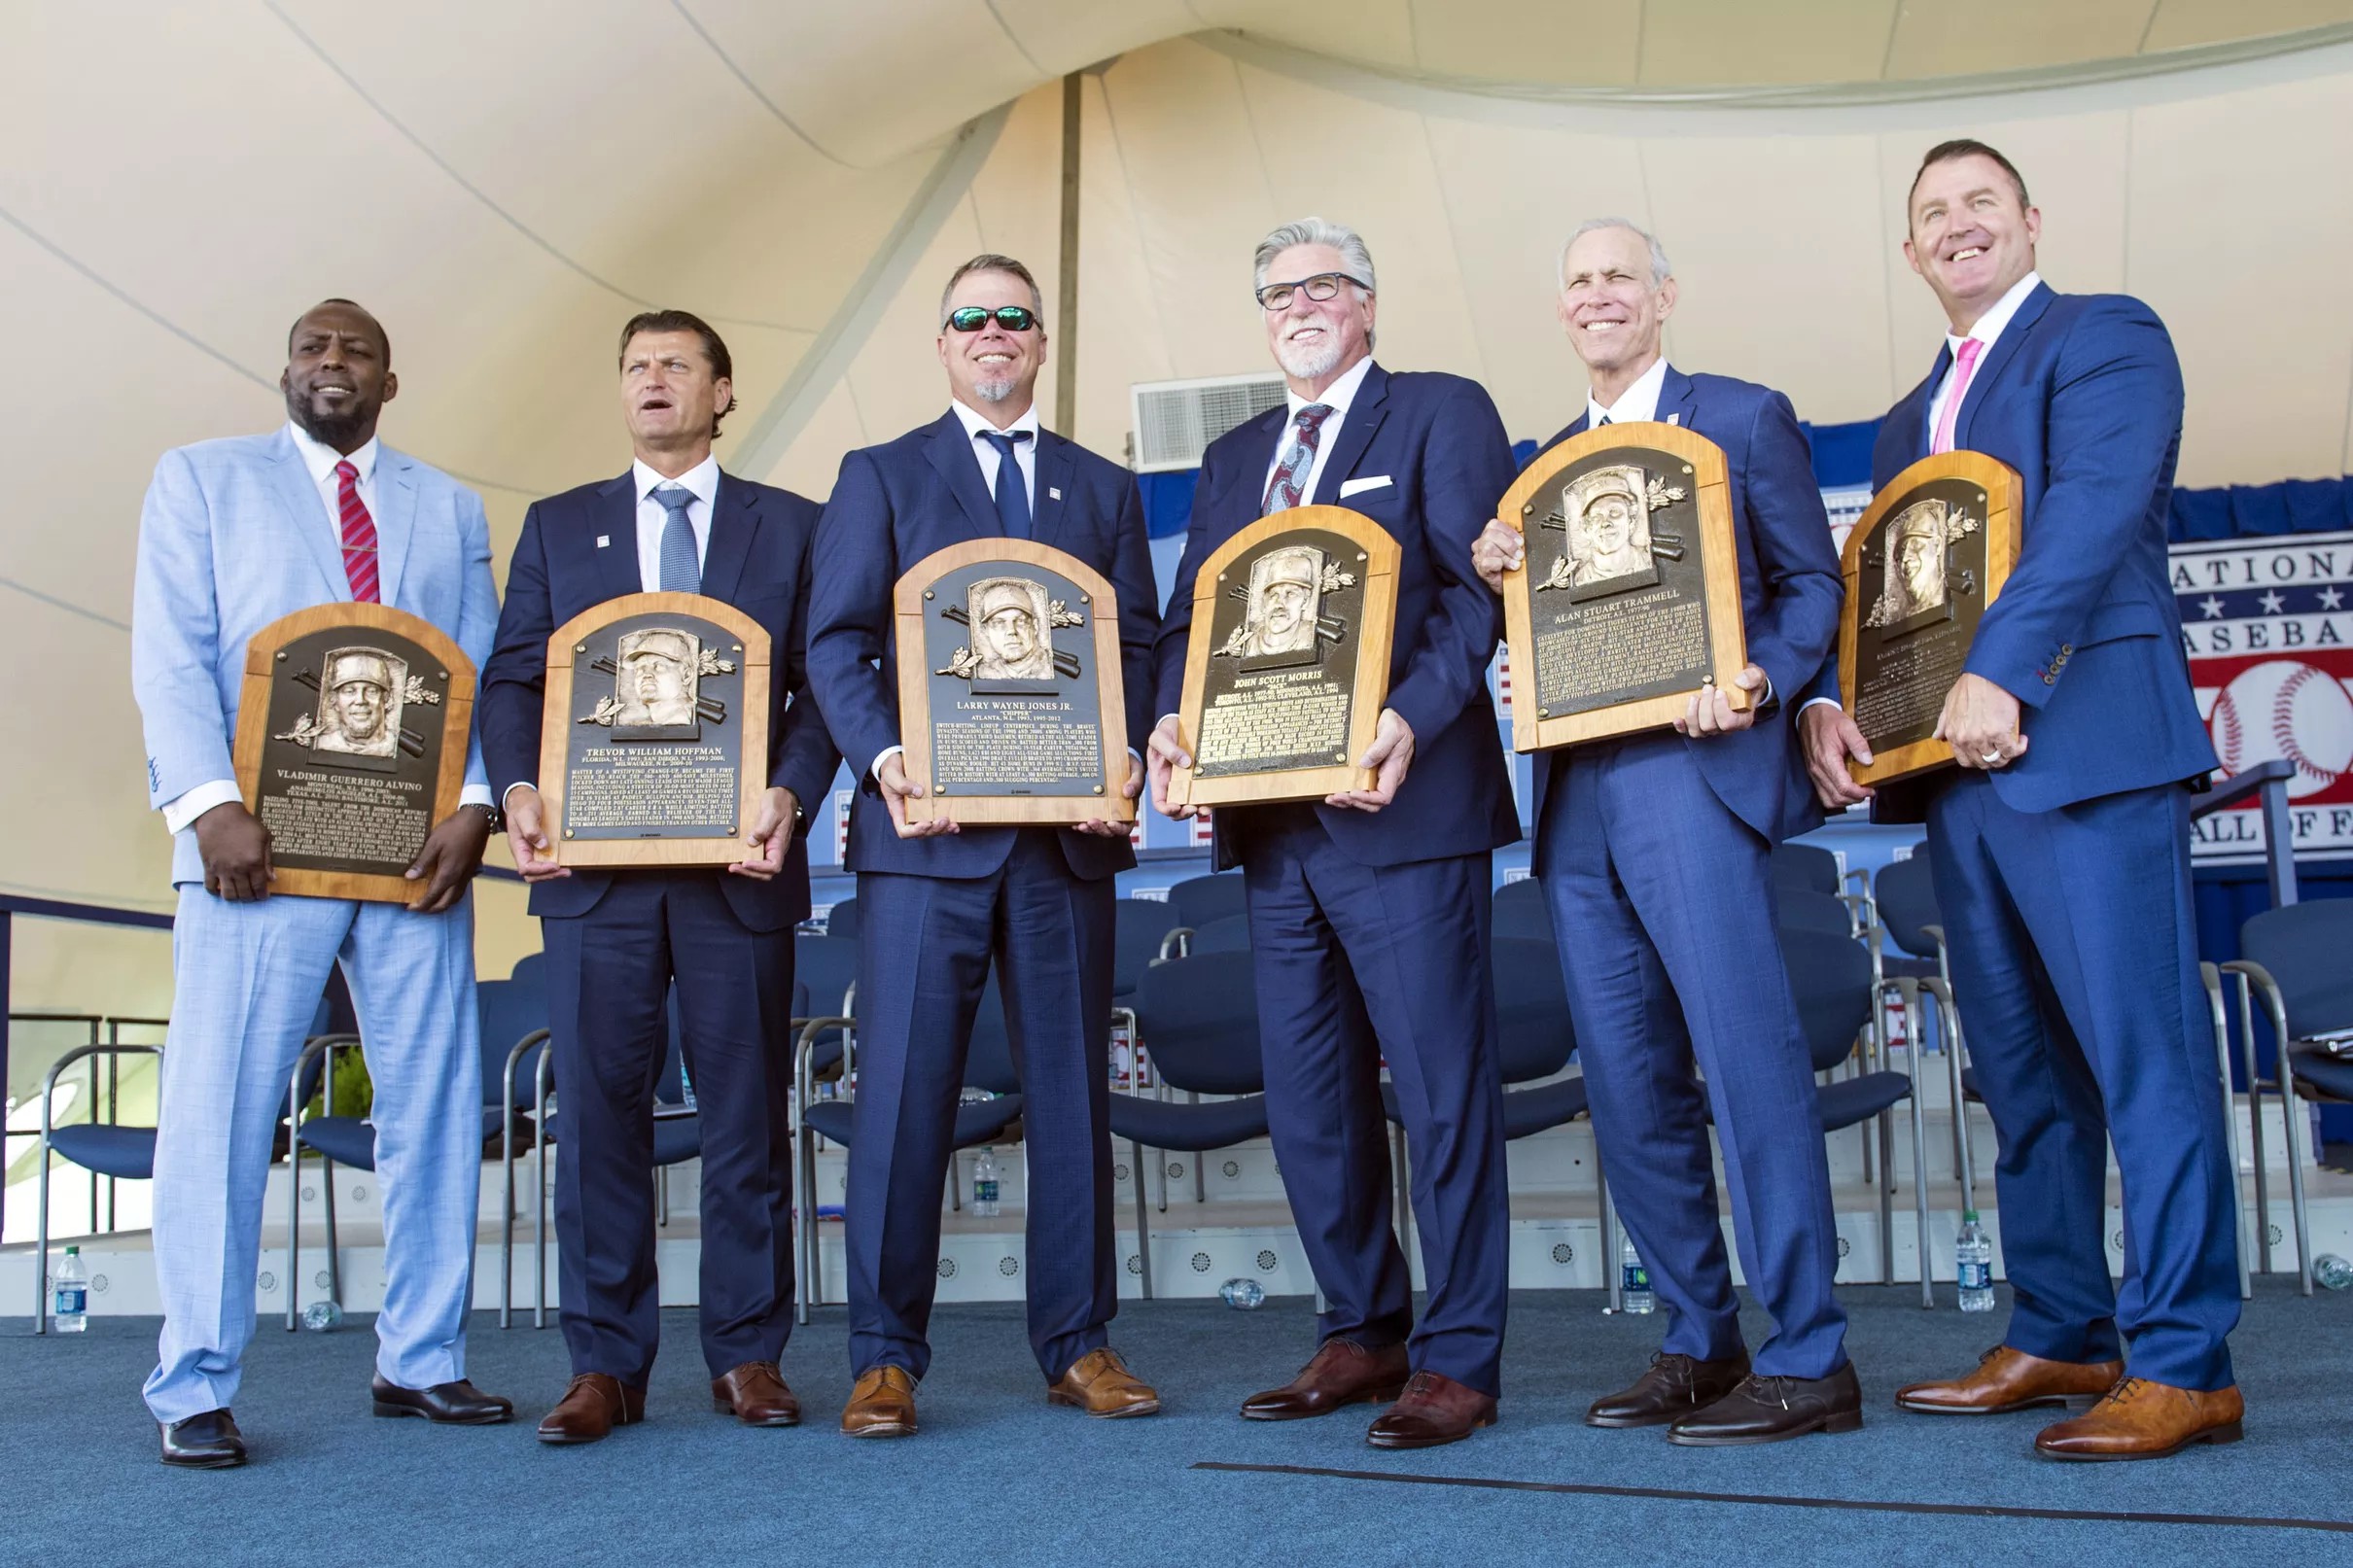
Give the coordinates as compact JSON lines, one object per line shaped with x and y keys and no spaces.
{"x":681,"y":568}
{"x":1012,"y":495}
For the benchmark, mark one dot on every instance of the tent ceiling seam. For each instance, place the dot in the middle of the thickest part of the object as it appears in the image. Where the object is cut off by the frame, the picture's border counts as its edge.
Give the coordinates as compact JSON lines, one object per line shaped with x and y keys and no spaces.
{"x":66,"y":605}
{"x":474,"y":190}
{"x":1011,"y":37}
{"x":765,"y":102}
{"x":1389,"y":84}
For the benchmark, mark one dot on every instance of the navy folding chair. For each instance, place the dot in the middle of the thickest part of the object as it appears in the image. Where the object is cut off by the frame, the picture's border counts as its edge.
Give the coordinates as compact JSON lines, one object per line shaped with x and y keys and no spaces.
{"x":1522,"y":911}
{"x":2300,"y":959}
{"x":1141,"y":931}
{"x":841,"y":920}
{"x":1230,"y":933}
{"x":1198,"y":1017}
{"x":1199,"y":900}
{"x":989,"y":1066}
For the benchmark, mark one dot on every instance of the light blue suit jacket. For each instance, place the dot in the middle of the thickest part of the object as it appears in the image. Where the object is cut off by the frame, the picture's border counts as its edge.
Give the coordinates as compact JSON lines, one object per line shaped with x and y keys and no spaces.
{"x":232,"y":537}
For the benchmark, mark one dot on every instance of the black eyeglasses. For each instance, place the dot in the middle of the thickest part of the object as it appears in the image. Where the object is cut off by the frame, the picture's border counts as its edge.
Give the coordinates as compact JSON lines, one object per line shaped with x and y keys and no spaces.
{"x":1319,"y":287}
{"x":1012,"y":318}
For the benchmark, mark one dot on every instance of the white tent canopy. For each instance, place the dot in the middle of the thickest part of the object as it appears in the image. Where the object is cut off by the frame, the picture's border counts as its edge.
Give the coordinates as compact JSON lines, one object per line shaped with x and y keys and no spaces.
{"x":503,"y":181}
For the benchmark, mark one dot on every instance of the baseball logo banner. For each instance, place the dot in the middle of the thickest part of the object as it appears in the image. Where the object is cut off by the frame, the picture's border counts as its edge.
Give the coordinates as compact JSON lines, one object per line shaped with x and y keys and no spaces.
{"x":2268,"y":626}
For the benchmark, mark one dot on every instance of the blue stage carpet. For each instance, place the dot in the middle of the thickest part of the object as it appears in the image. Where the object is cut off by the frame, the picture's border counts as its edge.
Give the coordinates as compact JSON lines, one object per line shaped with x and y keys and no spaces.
{"x":998,"y":1477}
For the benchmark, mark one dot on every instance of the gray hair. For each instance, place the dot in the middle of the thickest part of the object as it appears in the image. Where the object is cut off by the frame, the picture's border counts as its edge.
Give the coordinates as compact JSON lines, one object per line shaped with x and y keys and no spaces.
{"x":1660,"y":270}
{"x":1353,"y":256}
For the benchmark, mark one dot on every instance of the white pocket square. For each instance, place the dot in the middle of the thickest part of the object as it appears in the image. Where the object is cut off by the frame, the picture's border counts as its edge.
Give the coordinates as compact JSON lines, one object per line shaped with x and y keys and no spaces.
{"x":1351,"y":487}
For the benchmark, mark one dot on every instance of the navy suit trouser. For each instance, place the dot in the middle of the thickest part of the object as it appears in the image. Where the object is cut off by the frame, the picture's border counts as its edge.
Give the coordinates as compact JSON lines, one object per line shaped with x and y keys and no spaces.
{"x":2074,"y":952}
{"x":1356,"y":962}
{"x":610,"y":973}
{"x":1663,"y":906}
{"x":926,"y":947}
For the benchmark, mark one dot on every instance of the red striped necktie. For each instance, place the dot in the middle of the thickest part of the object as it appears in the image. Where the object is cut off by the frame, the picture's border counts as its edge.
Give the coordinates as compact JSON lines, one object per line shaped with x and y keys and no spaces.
{"x":359,"y":536}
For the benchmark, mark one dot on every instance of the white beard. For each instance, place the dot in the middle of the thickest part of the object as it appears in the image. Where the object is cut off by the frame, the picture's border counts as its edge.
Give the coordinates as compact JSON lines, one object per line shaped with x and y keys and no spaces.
{"x":1309,"y":361}
{"x":996,"y":391}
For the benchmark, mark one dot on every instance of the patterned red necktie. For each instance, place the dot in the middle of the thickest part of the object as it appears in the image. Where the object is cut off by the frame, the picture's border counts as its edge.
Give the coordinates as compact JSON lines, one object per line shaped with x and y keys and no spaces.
{"x":1288,"y":486}
{"x":359,"y":536}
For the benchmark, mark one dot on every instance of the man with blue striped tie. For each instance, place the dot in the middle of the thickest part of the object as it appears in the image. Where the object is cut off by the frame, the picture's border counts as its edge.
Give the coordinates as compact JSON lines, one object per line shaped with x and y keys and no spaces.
{"x":620,"y":943}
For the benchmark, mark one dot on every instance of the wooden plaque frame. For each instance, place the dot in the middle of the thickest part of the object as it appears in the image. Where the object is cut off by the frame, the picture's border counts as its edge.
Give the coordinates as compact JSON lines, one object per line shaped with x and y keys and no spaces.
{"x":1533,"y":729}
{"x":2004,"y":493}
{"x":262,"y":659}
{"x":556,"y":721}
{"x":907,"y":600}
{"x":1375,"y":636}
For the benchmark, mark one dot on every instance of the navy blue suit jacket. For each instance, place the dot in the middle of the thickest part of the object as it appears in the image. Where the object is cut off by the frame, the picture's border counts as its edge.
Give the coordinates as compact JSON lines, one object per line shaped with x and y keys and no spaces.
{"x":899,"y":502}
{"x":2082,"y":396}
{"x":577,"y":550}
{"x":1790,"y":590}
{"x":1439,"y":443}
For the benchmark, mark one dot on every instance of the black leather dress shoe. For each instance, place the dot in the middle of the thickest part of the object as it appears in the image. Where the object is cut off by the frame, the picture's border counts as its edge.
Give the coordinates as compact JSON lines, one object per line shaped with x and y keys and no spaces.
{"x":1674,"y":1386}
{"x":207,"y":1442}
{"x":1770,"y":1410}
{"x":458,"y":1404}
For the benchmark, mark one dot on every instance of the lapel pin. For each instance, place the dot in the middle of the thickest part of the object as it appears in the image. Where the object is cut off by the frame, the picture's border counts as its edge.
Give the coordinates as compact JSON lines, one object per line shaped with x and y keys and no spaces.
{"x":603,"y":539}
{"x":1674,"y":419}
{"x":1053,"y":494}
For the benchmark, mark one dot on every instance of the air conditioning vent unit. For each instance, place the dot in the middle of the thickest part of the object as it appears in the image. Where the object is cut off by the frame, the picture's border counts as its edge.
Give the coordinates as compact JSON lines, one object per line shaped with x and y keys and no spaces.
{"x":1174,"y":421}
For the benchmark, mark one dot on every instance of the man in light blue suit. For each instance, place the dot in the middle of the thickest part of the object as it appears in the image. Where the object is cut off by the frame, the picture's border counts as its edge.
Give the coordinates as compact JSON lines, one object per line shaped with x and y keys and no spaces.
{"x":2060,"y":843}
{"x":940,"y":904}
{"x":1654,"y":851}
{"x":237,"y":534}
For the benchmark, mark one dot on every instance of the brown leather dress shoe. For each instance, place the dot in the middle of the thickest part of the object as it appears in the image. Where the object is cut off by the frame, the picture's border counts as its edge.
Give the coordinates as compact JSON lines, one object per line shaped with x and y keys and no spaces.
{"x":1340,"y":1372}
{"x":1100,"y":1383}
{"x":2007,"y":1379}
{"x":1433,"y":1409}
{"x":592,"y":1405}
{"x":1772,"y":1409}
{"x":1675,"y":1385}
{"x":754,"y":1394}
{"x":881,"y":1405}
{"x":210,"y":1440}
{"x":458,"y":1404}
{"x":2144,"y":1420}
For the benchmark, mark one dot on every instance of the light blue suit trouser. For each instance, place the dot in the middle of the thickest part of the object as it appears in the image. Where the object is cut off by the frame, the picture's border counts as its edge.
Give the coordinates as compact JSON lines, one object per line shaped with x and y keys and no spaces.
{"x":248,"y":978}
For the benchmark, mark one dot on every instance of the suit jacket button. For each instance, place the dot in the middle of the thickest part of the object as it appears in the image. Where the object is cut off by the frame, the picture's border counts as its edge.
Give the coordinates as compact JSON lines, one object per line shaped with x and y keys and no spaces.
{"x":2066,"y":649}
{"x":2050,"y":680}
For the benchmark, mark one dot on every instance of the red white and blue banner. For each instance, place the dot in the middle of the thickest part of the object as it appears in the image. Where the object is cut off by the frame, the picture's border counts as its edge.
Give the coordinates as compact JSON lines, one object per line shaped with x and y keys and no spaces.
{"x":2267,"y":625}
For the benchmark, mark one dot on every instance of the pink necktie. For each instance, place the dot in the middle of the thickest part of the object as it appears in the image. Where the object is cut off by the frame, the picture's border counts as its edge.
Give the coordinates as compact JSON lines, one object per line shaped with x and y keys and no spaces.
{"x":359,"y":535}
{"x":1971,"y":348}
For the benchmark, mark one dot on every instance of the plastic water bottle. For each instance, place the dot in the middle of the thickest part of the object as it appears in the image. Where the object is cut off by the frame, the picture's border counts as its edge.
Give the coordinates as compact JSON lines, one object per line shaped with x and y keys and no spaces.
{"x":1973,"y":1264}
{"x":1242,"y":1295}
{"x":69,"y":1286}
{"x":323,"y":1317}
{"x":1634,"y":1281}
{"x":984,"y":1185}
{"x":2332,"y":1271}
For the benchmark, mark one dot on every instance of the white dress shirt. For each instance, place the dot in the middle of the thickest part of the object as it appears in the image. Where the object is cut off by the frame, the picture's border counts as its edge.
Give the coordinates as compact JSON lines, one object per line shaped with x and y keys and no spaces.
{"x":653,"y":516}
{"x":1639,"y":403}
{"x":1337,"y":396}
{"x":180,"y":812}
{"x":1988,"y":328}
{"x":984,"y":452}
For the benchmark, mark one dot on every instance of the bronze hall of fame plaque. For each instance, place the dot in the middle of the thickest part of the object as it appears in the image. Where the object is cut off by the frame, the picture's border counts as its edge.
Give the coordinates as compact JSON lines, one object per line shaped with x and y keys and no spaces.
{"x":351,"y":745}
{"x":1288,"y":664}
{"x":1630,"y":598}
{"x":1010,"y":701}
{"x":653,"y":747}
{"x":1923,"y":564}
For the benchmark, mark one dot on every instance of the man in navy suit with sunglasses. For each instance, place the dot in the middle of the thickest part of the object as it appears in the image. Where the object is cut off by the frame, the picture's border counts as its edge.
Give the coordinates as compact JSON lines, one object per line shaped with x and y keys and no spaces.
{"x":2059,"y":843}
{"x":939,"y":904}
{"x":1369,"y":910}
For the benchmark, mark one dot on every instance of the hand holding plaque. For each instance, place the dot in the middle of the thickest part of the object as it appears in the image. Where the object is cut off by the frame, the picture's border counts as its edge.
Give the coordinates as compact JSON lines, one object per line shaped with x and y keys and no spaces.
{"x":1011,"y":707}
{"x":351,"y":746}
{"x":1629,"y":601}
{"x":1288,"y":665}
{"x":653,"y":748}
{"x":1929,"y":554}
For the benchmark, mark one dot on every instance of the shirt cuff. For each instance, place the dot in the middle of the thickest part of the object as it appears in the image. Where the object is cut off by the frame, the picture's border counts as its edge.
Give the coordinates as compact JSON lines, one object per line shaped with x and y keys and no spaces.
{"x":477,"y":795}
{"x":887,"y":751}
{"x":519,"y":784}
{"x":180,"y":813}
{"x":1816,"y":702}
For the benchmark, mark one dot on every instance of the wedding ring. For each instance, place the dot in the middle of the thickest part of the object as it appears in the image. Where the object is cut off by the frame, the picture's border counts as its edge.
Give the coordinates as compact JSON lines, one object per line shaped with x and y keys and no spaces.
{"x":1994,"y":759}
